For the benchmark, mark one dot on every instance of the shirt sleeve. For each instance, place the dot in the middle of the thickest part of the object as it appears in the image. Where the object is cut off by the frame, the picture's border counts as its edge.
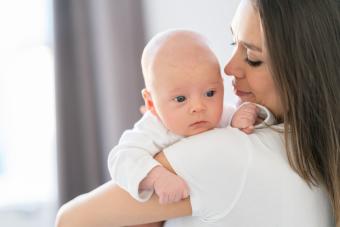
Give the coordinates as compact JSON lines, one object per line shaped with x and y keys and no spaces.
{"x":268,"y":118}
{"x":215,"y":165}
{"x":132,"y":159}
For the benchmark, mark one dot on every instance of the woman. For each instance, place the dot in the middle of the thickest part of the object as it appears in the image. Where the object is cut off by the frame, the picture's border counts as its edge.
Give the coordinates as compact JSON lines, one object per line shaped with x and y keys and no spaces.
{"x":286,"y":58}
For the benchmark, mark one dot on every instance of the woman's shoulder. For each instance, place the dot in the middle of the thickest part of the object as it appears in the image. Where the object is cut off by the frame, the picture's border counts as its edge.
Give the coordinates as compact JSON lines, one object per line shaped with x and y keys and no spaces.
{"x":231,"y":173}
{"x":227,"y":143}
{"x":214,"y":164}
{"x":230,"y":140}
{"x":220,"y":143}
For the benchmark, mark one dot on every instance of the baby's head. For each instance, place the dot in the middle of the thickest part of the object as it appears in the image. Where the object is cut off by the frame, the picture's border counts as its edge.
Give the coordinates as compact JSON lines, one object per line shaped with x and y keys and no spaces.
{"x":184,"y":87}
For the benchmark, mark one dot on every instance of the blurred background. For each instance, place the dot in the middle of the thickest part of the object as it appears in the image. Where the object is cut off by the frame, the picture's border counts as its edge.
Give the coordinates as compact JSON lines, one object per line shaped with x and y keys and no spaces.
{"x":70,"y":82}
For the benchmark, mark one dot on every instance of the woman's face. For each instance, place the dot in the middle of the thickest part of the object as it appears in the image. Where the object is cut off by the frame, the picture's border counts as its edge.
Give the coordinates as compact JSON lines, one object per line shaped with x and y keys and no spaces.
{"x":249,"y":62}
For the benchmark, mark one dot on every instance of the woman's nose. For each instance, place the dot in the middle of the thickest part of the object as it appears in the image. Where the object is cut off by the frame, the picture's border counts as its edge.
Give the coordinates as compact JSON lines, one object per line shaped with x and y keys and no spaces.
{"x":228,"y":70}
{"x":234,"y":66}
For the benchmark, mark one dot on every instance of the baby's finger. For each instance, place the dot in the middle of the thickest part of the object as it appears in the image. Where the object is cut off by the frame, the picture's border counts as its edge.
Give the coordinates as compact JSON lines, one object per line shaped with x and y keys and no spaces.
{"x":252,"y":111}
{"x":248,"y":130}
{"x":249,"y":106}
{"x":163,"y":199}
{"x":172,"y":197}
{"x":245,"y":130}
{"x":248,"y":116}
{"x":185,"y":194}
{"x":177,"y":197}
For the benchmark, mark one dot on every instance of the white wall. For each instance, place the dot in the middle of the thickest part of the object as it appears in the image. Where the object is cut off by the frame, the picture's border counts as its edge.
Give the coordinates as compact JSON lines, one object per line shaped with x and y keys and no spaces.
{"x":212,"y":18}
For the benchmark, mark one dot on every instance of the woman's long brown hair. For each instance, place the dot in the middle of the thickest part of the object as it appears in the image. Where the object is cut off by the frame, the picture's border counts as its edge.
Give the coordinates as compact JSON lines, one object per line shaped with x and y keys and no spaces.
{"x":303,"y":41}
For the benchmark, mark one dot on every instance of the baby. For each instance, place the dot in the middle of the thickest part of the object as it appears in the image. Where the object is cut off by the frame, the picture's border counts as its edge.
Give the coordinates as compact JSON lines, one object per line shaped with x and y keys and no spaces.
{"x":183,"y":96}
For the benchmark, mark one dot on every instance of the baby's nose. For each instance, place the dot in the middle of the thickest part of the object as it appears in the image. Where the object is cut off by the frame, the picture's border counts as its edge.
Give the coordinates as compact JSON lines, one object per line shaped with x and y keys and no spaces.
{"x":197,"y":106}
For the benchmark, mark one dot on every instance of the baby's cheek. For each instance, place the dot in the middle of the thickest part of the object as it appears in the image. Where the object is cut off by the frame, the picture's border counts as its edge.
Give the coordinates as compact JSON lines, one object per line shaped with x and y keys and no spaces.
{"x":175,"y":125}
{"x":218,"y":115}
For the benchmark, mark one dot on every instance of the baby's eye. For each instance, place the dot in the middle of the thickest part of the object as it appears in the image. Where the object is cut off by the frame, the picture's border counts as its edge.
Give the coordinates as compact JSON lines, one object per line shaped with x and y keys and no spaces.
{"x":210,"y":93}
{"x":180,"y":98}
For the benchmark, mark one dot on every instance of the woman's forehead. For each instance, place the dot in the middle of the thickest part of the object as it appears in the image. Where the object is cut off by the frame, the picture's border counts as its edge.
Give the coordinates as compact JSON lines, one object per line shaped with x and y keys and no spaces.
{"x":246,"y":25}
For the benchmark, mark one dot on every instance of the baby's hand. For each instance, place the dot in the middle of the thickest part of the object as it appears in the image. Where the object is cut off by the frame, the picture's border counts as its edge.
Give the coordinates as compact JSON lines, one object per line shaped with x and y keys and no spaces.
{"x":245,"y":117}
{"x":168,"y":186}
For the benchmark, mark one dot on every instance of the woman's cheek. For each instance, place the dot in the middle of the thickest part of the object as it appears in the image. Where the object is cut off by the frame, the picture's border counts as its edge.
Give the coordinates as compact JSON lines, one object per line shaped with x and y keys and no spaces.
{"x":248,"y":98}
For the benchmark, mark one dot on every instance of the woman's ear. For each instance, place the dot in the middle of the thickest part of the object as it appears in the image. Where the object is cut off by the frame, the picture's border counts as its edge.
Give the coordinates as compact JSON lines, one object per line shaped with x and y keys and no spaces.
{"x":149,"y":104}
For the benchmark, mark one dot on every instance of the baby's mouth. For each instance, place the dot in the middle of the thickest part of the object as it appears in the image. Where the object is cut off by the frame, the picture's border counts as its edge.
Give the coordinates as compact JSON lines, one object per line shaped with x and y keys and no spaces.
{"x":198,"y":123}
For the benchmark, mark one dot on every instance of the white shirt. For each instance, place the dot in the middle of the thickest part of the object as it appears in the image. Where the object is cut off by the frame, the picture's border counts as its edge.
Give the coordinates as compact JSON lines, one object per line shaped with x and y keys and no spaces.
{"x":239,"y":180}
{"x":132,"y":159}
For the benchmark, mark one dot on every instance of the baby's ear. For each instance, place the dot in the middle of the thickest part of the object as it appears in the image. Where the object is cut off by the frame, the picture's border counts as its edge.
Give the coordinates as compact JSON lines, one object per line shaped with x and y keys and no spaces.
{"x":148,"y":101}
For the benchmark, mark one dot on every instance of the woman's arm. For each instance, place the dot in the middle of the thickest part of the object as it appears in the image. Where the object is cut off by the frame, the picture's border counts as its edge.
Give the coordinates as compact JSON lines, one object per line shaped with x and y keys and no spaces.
{"x":155,"y":224}
{"x":110,"y":206}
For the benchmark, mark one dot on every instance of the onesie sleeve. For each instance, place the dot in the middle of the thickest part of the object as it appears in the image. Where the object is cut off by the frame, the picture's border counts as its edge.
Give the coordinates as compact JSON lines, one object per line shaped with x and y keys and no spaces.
{"x":132,"y":159}
{"x":268,"y":118}
{"x":215,"y":166}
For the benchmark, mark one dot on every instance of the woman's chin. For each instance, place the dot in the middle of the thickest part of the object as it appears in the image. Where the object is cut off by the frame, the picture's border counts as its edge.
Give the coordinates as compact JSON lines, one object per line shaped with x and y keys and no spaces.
{"x":243,"y":99}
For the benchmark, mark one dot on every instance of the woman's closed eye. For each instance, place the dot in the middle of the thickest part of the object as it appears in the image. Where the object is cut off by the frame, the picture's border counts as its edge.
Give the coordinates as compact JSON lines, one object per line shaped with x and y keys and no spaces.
{"x":253,"y":63}
{"x":180,"y":98}
{"x":247,"y":60}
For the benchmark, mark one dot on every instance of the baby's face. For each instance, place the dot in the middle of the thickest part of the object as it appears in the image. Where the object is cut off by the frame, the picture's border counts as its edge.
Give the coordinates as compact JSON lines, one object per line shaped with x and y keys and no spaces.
{"x":188,"y":98}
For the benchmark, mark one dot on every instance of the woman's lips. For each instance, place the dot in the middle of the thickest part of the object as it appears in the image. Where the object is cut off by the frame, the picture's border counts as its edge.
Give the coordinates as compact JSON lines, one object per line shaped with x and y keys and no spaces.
{"x":242,"y":93}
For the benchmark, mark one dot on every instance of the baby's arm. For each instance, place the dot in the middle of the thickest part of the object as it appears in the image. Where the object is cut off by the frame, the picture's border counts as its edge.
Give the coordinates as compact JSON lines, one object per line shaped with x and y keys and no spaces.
{"x":245,"y":117}
{"x":131,"y":162}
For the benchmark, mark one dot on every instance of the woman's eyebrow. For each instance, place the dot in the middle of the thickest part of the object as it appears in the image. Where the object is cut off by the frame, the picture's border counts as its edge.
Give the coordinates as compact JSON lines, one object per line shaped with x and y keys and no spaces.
{"x":249,"y":46}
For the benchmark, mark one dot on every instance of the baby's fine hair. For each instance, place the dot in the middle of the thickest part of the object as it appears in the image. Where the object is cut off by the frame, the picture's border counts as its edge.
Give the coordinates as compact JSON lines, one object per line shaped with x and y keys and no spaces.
{"x":164,"y":38}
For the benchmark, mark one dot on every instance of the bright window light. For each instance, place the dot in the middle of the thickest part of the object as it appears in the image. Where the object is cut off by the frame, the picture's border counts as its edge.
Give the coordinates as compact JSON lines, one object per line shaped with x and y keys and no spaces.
{"x":27,"y":111}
